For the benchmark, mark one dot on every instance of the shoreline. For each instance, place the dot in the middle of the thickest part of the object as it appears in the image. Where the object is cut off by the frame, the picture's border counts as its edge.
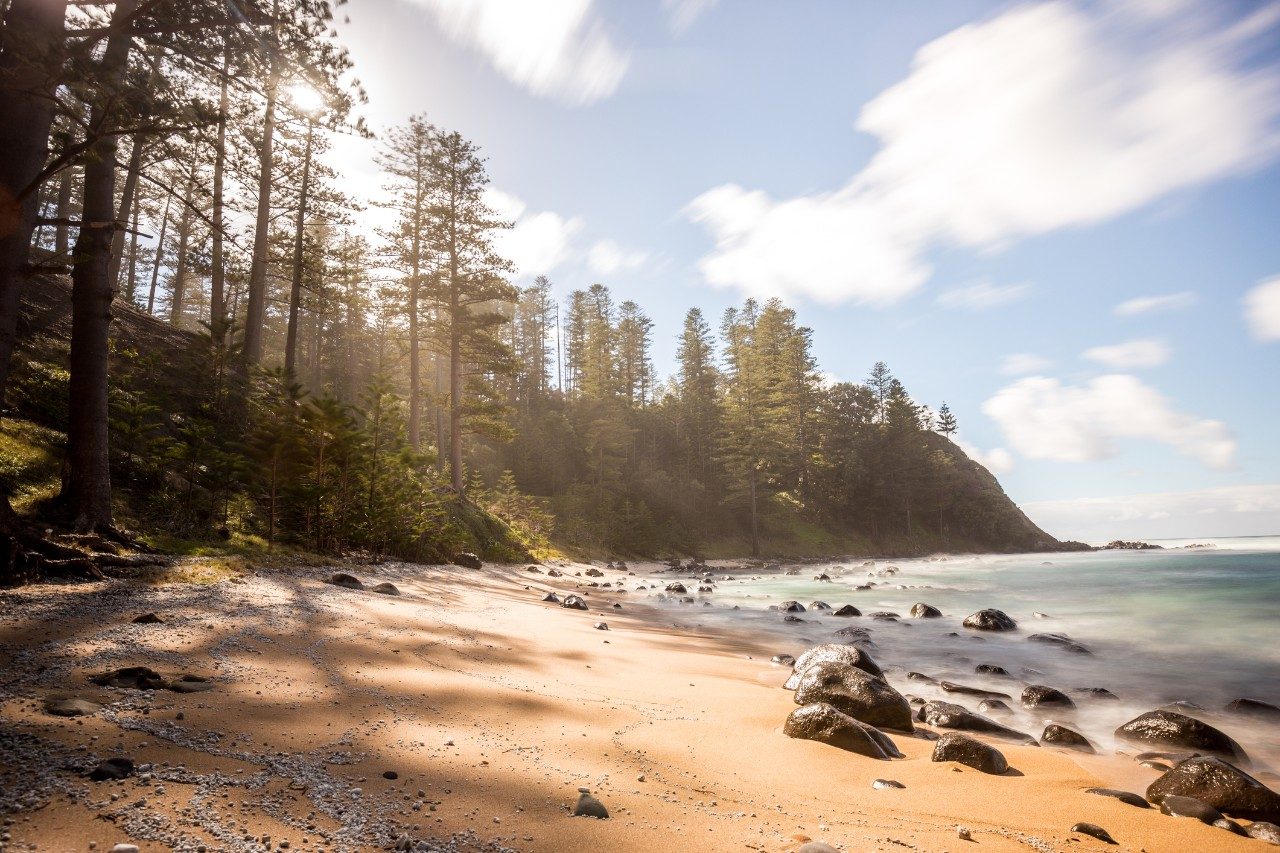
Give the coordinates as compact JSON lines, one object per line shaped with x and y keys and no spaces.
{"x":497,"y":707}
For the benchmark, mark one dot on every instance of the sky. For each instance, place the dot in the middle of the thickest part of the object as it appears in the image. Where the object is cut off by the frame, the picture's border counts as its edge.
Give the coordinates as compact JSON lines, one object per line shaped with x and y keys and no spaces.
{"x":1061,"y":218}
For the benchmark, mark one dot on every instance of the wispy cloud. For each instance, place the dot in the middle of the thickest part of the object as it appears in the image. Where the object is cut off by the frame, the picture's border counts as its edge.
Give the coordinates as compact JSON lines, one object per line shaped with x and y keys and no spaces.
{"x":1042,"y":418}
{"x":553,"y":48}
{"x":539,"y":241}
{"x":683,"y":14}
{"x":1021,"y":363}
{"x":1262,"y":310}
{"x":1047,"y":116}
{"x":1152,"y":304}
{"x":982,"y":295}
{"x":1131,"y":354}
{"x":997,"y":460}
{"x":1225,"y":511}
{"x":606,"y":257}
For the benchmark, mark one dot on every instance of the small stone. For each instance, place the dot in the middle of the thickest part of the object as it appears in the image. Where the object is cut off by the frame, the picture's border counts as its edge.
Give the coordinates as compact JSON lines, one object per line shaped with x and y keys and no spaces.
{"x":589,"y":806}
{"x":963,"y":833}
{"x":1094,"y":831}
{"x":886,"y":784}
{"x":602,"y":626}
{"x":390,"y":774}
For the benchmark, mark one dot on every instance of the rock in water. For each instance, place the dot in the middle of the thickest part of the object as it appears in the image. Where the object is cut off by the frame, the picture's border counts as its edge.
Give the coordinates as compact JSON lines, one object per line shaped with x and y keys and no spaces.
{"x":819,"y":605}
{"x":1062,"y":641}
{"x":1095,"y":831}
{"x":952,"y":687}
{"x":1123,"y":796}
{"x":994,"y":706}
{"x":574,"y":602}
{"x":1169,"y":728}
{"x":990,"y":620}
{"x":589,"y":806}
{"x":71,"y":707}
{"x":847,"y":610}
{"x":886,"y":784}
{"x":832,"y":652}
{"x":990,"y":669}
{"x":920,"y":610}
{"x":1264,"y":831}
{"x":791,"y":607}
{"x":1063,"y":736}
{"x":1218,"y":784}
{"x":963,"y":749}
{"x":825,"y":724}
{"x":346,"y":581}
{"x":147,"y":619}
{"x":857,"y":693}
{"x":112,"y":769}
{"x":676,"y":587}
{"x":467,"y":560}
{"x":1040,"y":696}
{"x":385,"y":588}
{"x":946,"y":715}
{"x":137,"y":677}
{"x":1190,"y":807}
{"x":1255,"y":708}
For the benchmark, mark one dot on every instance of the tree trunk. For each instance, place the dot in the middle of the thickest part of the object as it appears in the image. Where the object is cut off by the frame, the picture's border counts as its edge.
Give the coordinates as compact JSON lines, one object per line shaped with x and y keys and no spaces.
{"x":131,"y":281}
{"x":439,"y":414}
{"x":299,"y":244}
{"x":126,"y":205}
{"x":88,"y":487}
{"x":155,"y":267}
{"x":62,"y":231}
{"x":256,"y":312}
{"x":455,"y":376}
{"x":217,"y":277}
{"x":178,"y":289}
{"x":755,"y":530}
{"x":32,"y":44}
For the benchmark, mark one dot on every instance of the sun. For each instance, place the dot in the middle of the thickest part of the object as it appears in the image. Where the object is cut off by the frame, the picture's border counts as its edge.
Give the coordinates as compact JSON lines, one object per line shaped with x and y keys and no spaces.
{"x":305,"y":98}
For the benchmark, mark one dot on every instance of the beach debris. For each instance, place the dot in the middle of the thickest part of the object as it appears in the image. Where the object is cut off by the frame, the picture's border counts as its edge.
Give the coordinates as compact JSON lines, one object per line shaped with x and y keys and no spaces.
{"x":832,"y":652}
{"x":602,"y":626}
{"x":886,"y":784}
{"x":1062,"y":641}
{"x":947,"y":715}
{"x":1094,"y":831}
{"x":574,"y":602}
{"x":861,"y":695}
{"x":847,"y":610}
{"x":1042,"y":696}
{"x":1169,"y":728}
{"x":1125,"y":797}
{"x":825,"y":724}
{"x":386,"y":588}
{"x":990,"y":620}
{"x":1177,"y":806}
{"x":589,"y":806}
{"x":467,"y":560}
{"x":147,"y":619}
{"x":1065,"y":737}
{"x":346,"y":581}
{"x":1221,"y":785}
{"x":952,"y":687}
{"x":963,"y":749}
{"x":112,"y":769}
{"x":71,"y":707}
{"x":920,"y":610}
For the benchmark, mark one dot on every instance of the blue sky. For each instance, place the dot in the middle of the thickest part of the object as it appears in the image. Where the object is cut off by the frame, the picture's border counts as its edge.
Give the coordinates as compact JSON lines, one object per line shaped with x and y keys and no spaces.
{"x":969,"y":191}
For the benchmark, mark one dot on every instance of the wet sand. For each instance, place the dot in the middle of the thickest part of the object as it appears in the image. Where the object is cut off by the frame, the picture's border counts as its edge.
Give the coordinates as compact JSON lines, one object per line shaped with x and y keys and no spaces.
{"x":491,"y":708}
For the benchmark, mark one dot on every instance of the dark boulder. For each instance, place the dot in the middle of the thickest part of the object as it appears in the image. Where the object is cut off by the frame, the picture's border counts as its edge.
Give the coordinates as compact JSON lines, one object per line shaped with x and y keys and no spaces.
{"x":859,"y":694}
{"x":884,"y":616}
{"x":826,"y":724}
{"x":594,"y":573}
{"x":1218,"y":784}
{"x":994,"y":706}
{"x":847,"y":610}
{"x":920,"y":610}
{"x":551,"y":597}
{"x":1255,"y":708}
{"x":677,"y":588}
{"x":112,"y":769}
{"x":946,"y":715}
{"x":963,"y":749}
{"x":855,"y":634}
{"x":791,"y":607}
{"x":1040,"y":696}
{"x":1094,"y":831}
{"x":1097,"y":693}
{"x":574,"y":602}
{"x":784,"y":660}
{"x":190,"y":684}
{"x":1062,"y":736}
{"x":819,"y":605}
{"x":589,"y":806}
{"x":832,"y":652}
{"x":1125,"y":797}
{"x":920,"y":676}
{"x":1171,"y":729}
{"x":385,"y":588}
{"x":1176,"y":806}
{"x":990,"y":669}
{"x":136,"y":677}
{"x":990,"y":620}
{"x":147,"y":619}
{"x":467,"y":560}
{"x":1062,"y":641}
{"x":346,"y":581}
{"x":952,"y":687}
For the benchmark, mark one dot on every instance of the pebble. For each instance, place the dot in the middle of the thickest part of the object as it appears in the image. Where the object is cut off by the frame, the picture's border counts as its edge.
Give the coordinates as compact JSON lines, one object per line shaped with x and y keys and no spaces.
{"x":1094,"y":831}
{"x":963,"y":833}
{"x":883,"y":784}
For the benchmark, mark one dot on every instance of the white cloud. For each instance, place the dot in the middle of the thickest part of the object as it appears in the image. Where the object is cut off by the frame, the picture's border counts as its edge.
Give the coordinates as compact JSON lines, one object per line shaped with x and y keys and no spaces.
{"x":1019,"y":363}
{"x":982,"y":295}
{"x":1042,"y":418}
{"x":538,"y":242}
{"x":683,"y":14}
{"x":1225,"y":511}
{"x":1262,"y":310}
{"x":606,"y":258}
{"x":1131,"y":354}
{"x":1151,"y":304}
{"x":553,"y":48}
{"x":1046,"y":116}
{"x":997,"y":460}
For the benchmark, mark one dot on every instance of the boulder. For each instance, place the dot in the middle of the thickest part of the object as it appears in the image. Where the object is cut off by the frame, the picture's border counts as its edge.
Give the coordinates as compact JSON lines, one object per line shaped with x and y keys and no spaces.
{"x":1062,"y":736}
{"x":990,"y":620}
{"x":71,"y":707}
{"x":963,"y":749}
{"x":385,"y":588}
{"x":1097,"y":693}
{"x":136,"y":677}
{"x":1255,"y":708}
{"x":994,"y":706}
{"x":1040,"y":696}
{"x":190,"y":684}
{"x":147,"y":619}
{"x":551,"y":597}
{"x":1062,"y":641}
{"x":589,"y":806}
{"x":784,"y":660}
{"x":819,"y":605}
{"x":855,"y":634}
{"x":920,"y":610}
{"x":832,"y":652}
{"x":1171,"y":729}
{"x":946,"y":715}
{"x":991,"y":669}
{"x":595,"y":573}
{"x":113,"y":769}
{"x":1221,"y":785}
{"x":847,"y":610}
{"x":1125,"y":797}
{"x":346,"y":581}
{"x":826,"y":724}
{"x":574,"y":602}
{"x":1094,"y":831}
{"x":791,"y":607}
{"x":467,"y":560}
{"x":857,"y":693}
{"x":952,"y":687}
{"x":602,"y":626}
{"x":1176,"y":806}
{"x":1264,"y":831}
{"x":677,"y":588}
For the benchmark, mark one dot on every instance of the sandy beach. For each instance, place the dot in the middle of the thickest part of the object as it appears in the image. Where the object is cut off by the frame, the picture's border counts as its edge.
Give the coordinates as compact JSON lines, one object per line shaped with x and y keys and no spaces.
{"x":490,"y":709}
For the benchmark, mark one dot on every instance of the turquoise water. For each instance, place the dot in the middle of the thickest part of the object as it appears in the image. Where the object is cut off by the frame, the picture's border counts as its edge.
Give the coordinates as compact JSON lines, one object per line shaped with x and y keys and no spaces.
{"x":1199,"y":625}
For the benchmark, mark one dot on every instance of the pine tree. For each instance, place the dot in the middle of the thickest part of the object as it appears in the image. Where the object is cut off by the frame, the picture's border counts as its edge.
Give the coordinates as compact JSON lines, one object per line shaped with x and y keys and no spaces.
{"x":946,"y":421}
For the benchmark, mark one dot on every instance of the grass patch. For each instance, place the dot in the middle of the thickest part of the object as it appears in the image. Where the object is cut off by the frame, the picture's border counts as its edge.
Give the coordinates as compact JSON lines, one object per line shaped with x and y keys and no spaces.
{"x":30,"y":461}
